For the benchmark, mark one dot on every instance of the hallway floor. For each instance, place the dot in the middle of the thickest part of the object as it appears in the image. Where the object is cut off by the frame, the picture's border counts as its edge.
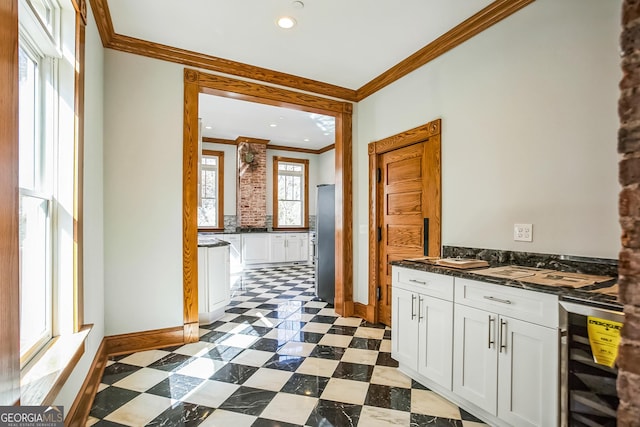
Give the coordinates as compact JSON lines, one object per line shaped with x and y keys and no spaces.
{"x":279,"y":357}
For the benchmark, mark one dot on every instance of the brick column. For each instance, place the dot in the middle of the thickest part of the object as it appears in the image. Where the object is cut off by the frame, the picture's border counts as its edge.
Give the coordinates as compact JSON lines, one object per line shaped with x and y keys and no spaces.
{"x":252,"y":183}
{"x":629,"y":265}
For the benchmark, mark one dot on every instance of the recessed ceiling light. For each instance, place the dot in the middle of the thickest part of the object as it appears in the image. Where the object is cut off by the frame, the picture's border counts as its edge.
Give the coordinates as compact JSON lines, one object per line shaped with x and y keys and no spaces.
{"x":306,"y":140}
{"x":326,"y":133}
{"x":286,"y":22}
{"x":207,"y":127}
{"x":273,"y":125}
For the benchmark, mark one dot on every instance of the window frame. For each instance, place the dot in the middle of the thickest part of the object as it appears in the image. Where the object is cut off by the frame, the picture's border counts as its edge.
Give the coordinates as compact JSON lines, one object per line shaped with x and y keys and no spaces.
{"x":43,"y":51}
{"x":220,"y":187}
{"x":305,"y":192}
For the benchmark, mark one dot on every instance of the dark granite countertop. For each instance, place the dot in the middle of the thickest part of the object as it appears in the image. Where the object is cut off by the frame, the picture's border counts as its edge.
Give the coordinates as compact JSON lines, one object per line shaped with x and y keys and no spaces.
{"x":583,"y":295}
{"x":210,"y":241}
{"x":261,"y":230}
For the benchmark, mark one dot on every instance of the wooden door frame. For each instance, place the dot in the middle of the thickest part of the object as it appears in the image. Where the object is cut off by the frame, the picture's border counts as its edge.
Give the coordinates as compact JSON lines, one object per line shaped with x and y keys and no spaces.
{"x":375,"y":149}
{"x":196,"y":82}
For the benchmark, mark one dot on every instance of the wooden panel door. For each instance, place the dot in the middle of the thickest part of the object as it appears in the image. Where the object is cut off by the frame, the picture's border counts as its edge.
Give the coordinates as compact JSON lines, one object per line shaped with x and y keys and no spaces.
{"x":408,"y":198}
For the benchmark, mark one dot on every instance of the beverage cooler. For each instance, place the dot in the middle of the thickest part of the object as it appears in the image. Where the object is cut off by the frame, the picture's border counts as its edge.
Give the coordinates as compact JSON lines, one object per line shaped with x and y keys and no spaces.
{"x":588,"y":388}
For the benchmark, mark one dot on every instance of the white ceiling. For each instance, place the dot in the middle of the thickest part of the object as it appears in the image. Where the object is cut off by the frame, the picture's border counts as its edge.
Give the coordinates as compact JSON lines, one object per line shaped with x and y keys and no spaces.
{"x":230,"y":118}
{"x":342,"y":42}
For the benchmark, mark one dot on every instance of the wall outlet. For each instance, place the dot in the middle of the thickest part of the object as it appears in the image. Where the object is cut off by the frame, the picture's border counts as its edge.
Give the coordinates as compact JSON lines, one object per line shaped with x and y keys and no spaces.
{"x":523,"y":232}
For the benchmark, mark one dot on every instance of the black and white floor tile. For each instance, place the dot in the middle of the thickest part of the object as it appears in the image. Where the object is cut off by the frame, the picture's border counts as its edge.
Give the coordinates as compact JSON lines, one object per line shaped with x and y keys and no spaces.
{"x":279,"y":357}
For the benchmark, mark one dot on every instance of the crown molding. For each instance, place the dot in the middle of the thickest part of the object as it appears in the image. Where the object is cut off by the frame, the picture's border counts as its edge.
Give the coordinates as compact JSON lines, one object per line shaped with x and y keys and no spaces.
{"x":219,"y":140}
{"x":490,"y":15}
{"x":112,"y":40}
{"x":269,"y":146}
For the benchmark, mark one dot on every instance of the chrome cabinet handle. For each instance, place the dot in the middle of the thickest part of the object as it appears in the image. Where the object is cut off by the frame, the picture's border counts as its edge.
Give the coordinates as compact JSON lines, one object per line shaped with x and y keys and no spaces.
{"x":420,"y":316}
{"x":503,"y":301}
{"x":413,"y":300}
{"x":491,"y":340}
{"x":503,"y":338}
{"x":417,"y":281}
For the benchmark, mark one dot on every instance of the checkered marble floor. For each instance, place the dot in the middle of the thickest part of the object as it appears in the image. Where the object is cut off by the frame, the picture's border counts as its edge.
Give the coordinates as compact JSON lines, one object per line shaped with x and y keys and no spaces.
{"x":278,"y":357}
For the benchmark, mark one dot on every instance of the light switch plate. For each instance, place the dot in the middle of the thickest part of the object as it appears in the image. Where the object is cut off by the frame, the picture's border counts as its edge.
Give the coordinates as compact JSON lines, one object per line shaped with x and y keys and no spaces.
{"x":523,"y":232}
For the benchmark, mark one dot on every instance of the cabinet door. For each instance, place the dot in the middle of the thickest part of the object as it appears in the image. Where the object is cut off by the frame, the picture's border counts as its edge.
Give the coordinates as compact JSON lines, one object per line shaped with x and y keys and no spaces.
{"x":255,"y":248}
{"x":404,"y":327}
{"x":292,"y":248}
{"x":218,"y":280}
{"x":202,"y":280}
{"x":475,"y":363}
{"x":278,"y":250}
{"x":304,"y":248}
{"x":527,"y":373}
{"x":435,"y":354}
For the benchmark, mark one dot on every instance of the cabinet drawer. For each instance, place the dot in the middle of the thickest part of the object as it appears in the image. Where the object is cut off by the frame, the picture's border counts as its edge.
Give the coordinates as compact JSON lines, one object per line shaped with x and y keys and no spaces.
{"x":435,"y":285}
{"x":530,"y":306}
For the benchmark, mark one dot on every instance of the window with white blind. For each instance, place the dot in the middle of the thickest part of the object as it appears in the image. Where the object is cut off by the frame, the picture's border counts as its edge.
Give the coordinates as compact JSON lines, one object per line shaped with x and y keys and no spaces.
{"x":211,"y":209}
{"x":290,"y":193}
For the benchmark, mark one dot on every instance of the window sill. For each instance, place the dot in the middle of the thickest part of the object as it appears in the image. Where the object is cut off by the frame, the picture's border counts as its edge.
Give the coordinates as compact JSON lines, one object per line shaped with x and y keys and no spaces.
{"x":210,"y":230}
{"x":300,"y":229}
{"x":43,"y":377}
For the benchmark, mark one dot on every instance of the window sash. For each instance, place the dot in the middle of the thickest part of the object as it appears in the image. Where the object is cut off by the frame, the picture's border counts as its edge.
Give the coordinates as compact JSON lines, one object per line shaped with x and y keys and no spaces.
{"x":210,"y":181}
{"x":36,"y":116}
{"x":290,"y":196}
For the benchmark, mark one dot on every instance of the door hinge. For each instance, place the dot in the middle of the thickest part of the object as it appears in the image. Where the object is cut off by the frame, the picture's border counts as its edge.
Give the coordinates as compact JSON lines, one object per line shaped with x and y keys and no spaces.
{"x":379,"y":234}
{"x":379,"y":175}
{"x":378,"y":293}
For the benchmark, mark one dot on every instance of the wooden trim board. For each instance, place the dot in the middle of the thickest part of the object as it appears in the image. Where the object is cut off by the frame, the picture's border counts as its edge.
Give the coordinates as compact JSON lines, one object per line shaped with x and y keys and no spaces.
{"x":196,"y":82}
{"x":271,"y":146}
{"x":145,"y":340}
{"x":79,"y":410}
{"x":490,"y":15}
{"x":374,"y":149}
{"x":9,"y":249}
{"x":112,"y":346}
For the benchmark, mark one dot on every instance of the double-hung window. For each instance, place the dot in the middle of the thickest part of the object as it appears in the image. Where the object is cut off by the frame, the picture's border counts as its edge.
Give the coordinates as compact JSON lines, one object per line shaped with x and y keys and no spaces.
{"x":290,"y":193}
{"x":37,"y":141}
{"x":211,"y":209}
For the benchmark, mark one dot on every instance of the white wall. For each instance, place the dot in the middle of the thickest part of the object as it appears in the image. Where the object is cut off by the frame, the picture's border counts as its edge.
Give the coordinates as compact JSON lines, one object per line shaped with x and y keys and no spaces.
{"x":142,"y":193}
{"x":93,"y":212}
{"x":230,"y":174}
{"x":529,"y":128}
{"x":327,"y":167}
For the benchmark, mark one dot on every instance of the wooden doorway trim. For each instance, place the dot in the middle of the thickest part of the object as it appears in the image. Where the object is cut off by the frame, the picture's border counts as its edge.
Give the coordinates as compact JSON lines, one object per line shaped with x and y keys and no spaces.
{"x":376,"y":148}
{"x":196,"y":82}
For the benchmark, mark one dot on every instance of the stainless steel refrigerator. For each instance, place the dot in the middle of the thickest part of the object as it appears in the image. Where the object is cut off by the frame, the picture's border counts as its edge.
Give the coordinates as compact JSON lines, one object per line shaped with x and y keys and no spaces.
{"x":325,"y":243}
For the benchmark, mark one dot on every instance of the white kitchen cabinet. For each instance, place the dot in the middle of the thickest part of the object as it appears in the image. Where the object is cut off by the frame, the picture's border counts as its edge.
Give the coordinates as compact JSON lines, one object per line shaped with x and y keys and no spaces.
{"x":213,"y":282}
{"x":296,"y":247}
{"x":422,"y":325}
{"x":235,"y":251}
{"x":288,"y":247}
{"x":504,"y":365}
{"x":278,"y":249}
{"x":475,"y":368}
{"x":404,"y":332}
{"x":255,"y":248}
